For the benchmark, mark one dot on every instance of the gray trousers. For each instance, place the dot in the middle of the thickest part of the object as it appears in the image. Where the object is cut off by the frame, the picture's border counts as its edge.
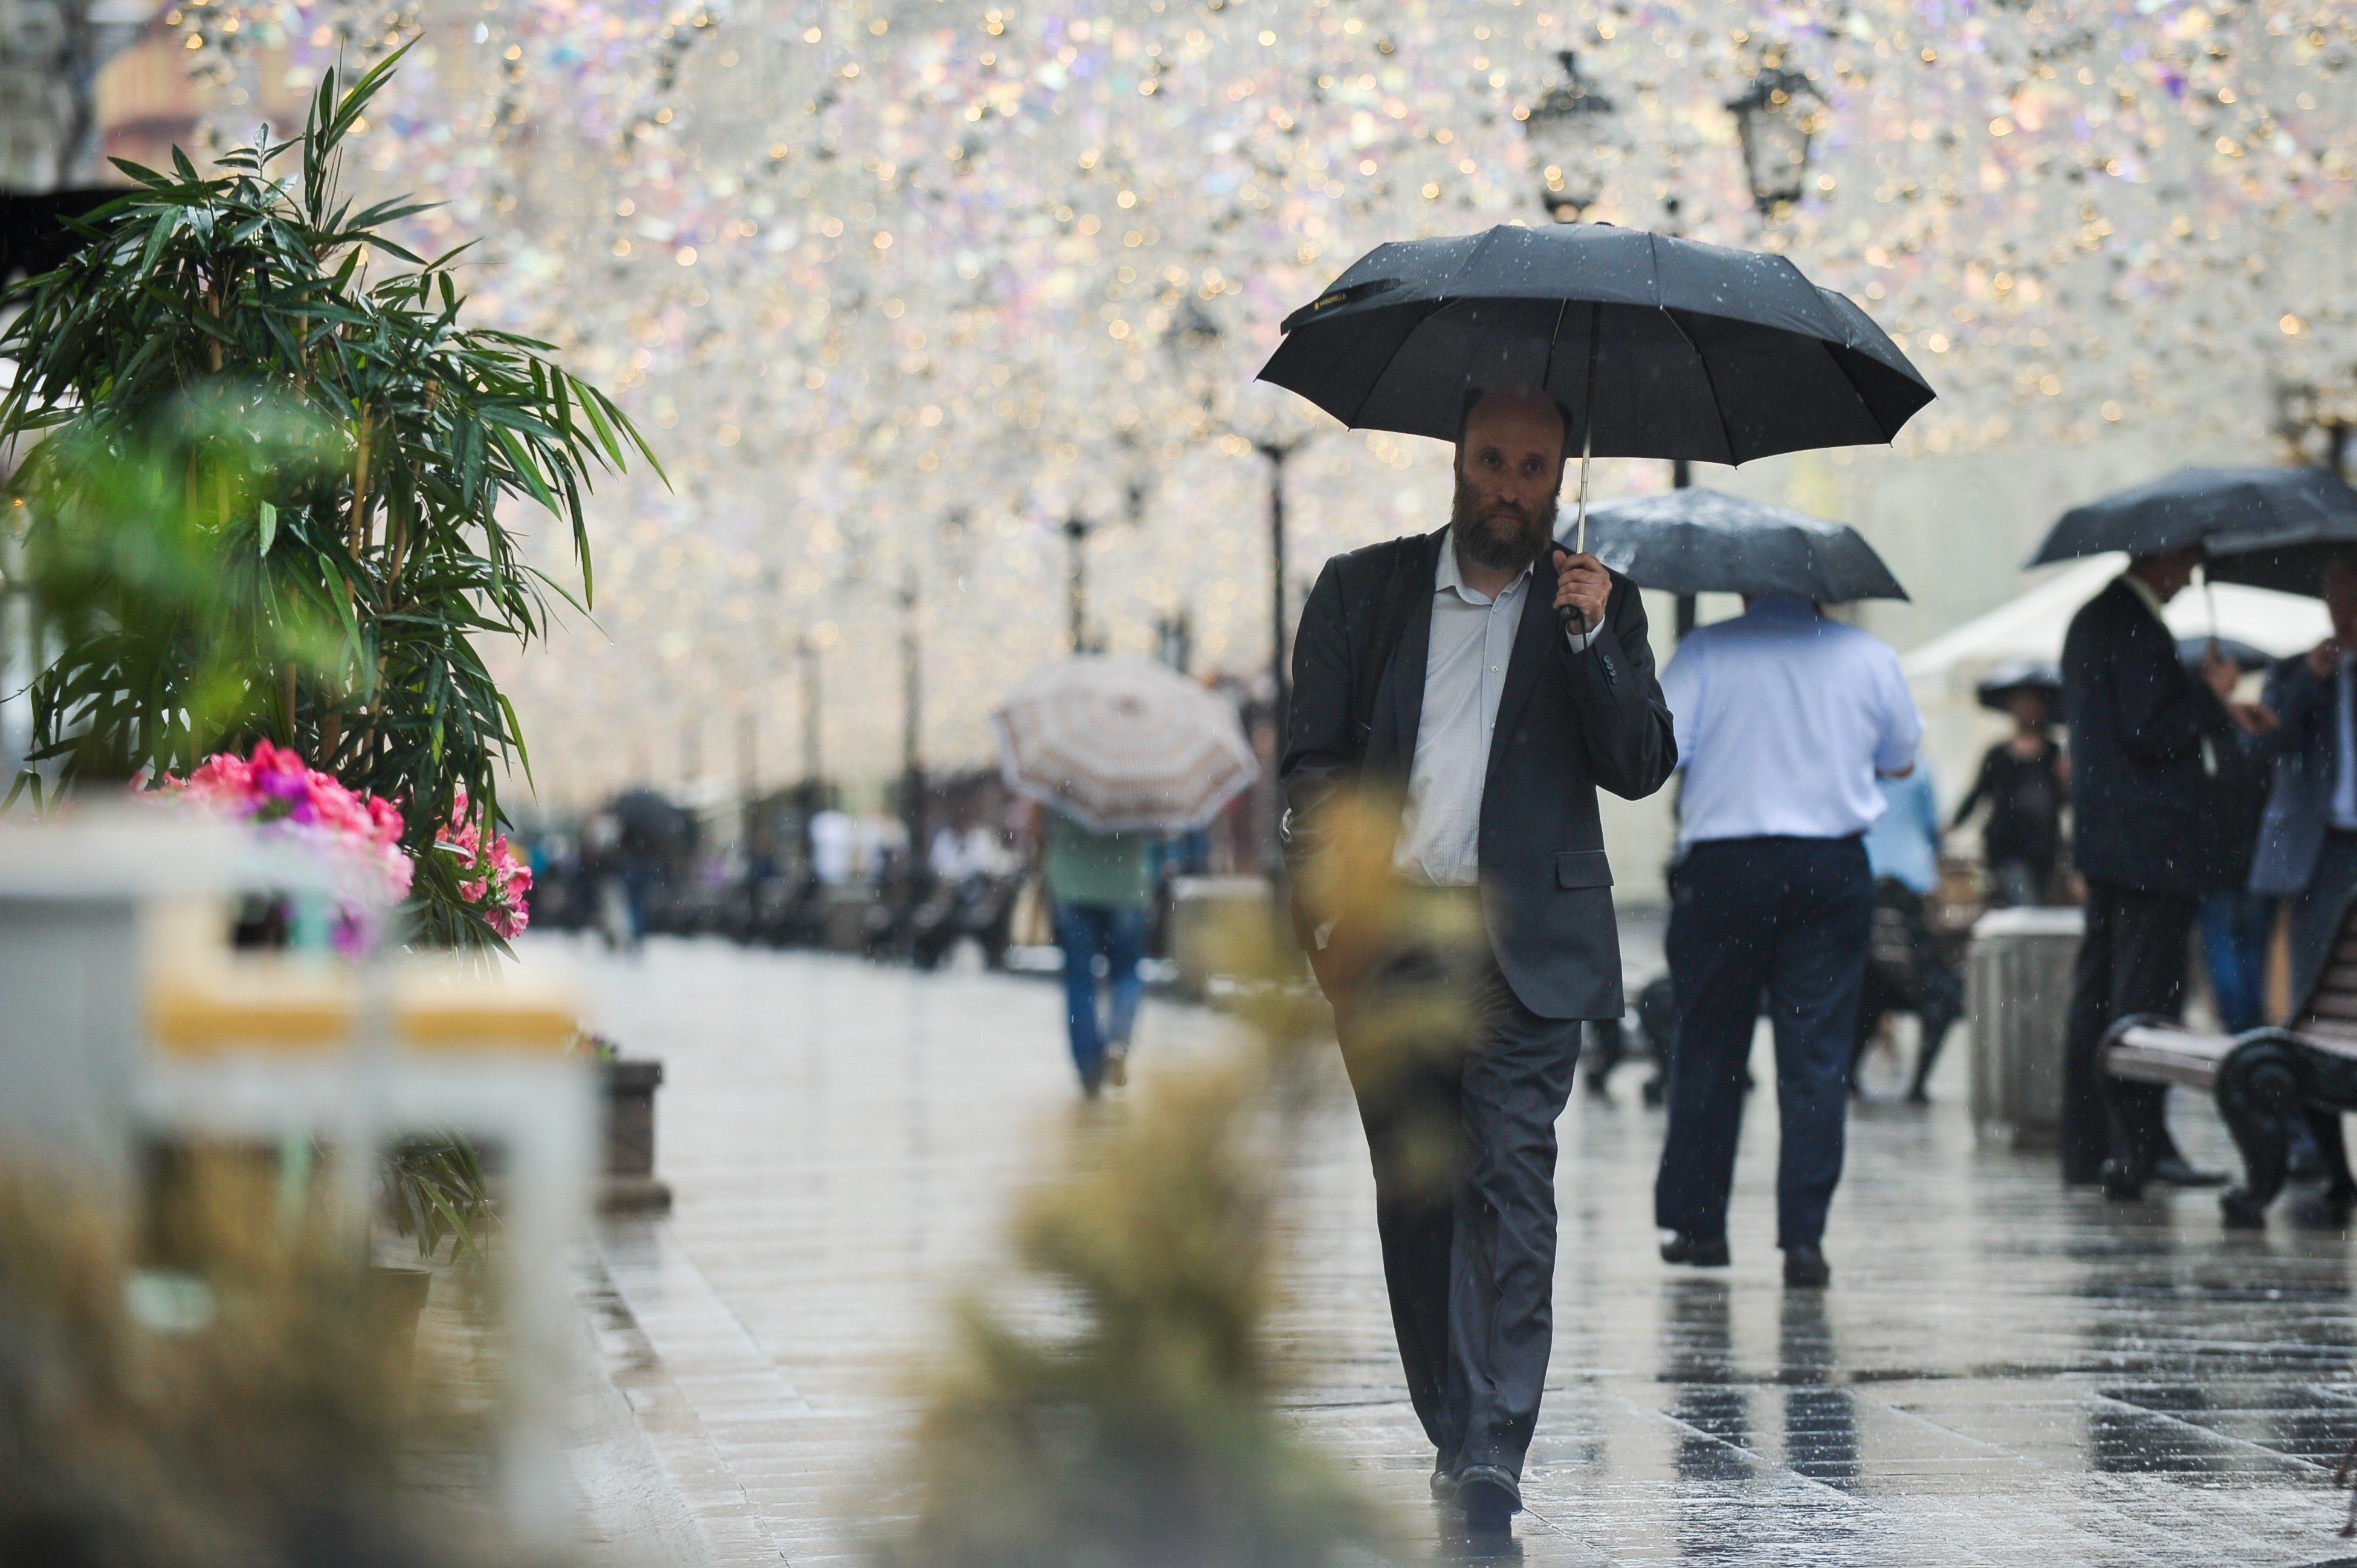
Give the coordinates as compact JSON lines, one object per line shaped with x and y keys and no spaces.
{"x":1460,"y":1102}
{"x":2316,"y":910}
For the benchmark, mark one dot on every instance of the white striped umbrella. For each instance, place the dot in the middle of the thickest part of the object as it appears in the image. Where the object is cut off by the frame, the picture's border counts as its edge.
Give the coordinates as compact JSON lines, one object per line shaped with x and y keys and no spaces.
{"x":1121,"y":744}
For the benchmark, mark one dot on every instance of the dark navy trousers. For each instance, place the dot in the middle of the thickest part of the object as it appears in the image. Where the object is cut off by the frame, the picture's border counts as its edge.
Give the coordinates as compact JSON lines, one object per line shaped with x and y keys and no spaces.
{"x":1789,"y":919}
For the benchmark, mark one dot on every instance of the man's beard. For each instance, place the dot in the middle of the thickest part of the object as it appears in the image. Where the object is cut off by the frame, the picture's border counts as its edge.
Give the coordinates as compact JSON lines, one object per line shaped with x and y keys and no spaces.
{"x":1502,"y":538}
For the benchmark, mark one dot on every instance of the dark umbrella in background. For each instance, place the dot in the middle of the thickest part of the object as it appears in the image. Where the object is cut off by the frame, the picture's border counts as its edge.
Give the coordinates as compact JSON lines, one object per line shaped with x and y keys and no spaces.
{"x":1707,"y":542}
{"x":2192,"y":650}
{"x":2270,"y":528}
{"x":1655,"y":347}
{"x":2224,"y":510}
{"x":1996,"y":690}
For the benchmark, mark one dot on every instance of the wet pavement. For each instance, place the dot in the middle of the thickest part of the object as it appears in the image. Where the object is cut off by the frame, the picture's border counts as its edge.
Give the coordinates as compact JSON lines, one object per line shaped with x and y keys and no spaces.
{"x":2001,"y":1372}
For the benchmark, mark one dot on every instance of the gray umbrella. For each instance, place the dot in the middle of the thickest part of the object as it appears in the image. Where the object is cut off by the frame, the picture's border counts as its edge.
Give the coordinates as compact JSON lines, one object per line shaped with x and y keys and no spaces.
{"x":2220,"y":509}
{"x":1707,"y":542}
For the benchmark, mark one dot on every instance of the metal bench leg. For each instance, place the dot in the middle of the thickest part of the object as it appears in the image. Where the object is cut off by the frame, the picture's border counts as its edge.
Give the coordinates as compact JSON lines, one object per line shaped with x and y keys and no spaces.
{"x":2257,"y":1093}
{"x":2340,"y":1194}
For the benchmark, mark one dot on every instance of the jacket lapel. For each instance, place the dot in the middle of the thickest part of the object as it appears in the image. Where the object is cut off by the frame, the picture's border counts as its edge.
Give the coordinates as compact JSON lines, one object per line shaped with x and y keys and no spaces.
{"x":1531,"y":656}
{"x":1398,"y":719}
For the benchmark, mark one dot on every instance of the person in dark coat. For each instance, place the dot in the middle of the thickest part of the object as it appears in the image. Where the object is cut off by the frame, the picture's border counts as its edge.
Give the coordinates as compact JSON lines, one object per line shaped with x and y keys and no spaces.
{"x":2146,"y":741}
{"x":1434,"y":670}
{"x":2308,"y":836}
{"x":2024,"y":780}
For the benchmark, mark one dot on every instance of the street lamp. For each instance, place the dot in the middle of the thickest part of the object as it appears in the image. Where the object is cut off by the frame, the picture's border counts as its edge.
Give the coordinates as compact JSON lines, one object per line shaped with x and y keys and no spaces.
{"x":1569,"y":127}
{"x":912,"y":768}
{"x":1777,"y":120}
{"x":1077,"y":530}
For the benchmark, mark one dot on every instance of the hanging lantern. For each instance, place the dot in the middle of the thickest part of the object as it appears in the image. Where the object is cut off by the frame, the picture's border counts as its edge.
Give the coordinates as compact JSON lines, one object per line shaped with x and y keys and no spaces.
{"x":1570,"y":130}
{"x":1777,"y":119}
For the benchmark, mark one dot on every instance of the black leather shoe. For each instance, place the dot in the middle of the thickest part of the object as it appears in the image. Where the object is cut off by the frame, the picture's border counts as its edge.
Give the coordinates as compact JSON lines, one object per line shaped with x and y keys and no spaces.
{"x":2172,"y":1171}
{"x":1444,"y":1478}
{"x":1491,"y":1497}
{"x":1805,"y":1268}
{"x":1696,"y":1251}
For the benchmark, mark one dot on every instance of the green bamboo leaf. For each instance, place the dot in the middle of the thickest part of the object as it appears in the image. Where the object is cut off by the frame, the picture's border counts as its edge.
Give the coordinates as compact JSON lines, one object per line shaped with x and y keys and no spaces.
{"x":269,"y":529}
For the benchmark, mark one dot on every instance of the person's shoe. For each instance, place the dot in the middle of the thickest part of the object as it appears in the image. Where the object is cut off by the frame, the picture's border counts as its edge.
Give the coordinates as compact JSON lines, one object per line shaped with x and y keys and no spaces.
{"x":1805,"y":1268}
{"x":2120,"y":1183}
{"x":1116,"y":1065}
{"x":1444,"y":1478}
{"x":1491,"y":1497}
{"x":2171,"y":1170}
{"x":1093,"y":1081}
{"x":1696,"y":1251}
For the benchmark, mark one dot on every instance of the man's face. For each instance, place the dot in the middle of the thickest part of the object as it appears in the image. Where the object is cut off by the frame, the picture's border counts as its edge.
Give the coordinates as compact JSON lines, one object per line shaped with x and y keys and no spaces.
{"x":2341,"y":600}
{"x":1509,"y":468}
{"x":2169,"y":572}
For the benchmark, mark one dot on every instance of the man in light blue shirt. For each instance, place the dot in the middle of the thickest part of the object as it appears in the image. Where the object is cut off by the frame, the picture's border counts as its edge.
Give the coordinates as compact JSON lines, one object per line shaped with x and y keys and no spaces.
{"x":1783,"y":720}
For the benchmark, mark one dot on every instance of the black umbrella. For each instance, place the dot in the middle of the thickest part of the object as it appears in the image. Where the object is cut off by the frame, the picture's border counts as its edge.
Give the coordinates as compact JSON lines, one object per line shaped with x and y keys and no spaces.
{"x":1997,"y":688}
{"x":2192,"y":650}
{"x":1655,"y":347}
{"x":2285,"y":568}
{"x":1707,"y":542}
{"x":2222,"y":509}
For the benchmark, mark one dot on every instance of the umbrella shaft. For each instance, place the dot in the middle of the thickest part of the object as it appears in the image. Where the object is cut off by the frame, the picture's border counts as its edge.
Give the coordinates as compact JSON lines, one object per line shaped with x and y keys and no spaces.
{"x":1587,"y":445}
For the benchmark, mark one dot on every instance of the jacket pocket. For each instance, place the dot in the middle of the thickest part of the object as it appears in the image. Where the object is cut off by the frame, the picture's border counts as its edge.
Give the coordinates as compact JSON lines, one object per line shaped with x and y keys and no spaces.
{"x":1583,"y":868}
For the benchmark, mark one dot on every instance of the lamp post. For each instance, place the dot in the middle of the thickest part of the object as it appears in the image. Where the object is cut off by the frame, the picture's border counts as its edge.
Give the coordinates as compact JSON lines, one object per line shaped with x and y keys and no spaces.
{"x":1569,"y":127}
{"x":1277,"y":452}
{"x":806,"y":652}
{"x":1077,"y":530}
{"x":1776,"y":121}
{"x":912,"y":768}
{"x":2304,"y":410}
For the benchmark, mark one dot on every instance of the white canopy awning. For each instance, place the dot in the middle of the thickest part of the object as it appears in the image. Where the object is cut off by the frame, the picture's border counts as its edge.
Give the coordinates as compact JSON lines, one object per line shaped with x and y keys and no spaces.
{"x":2031,"y":626}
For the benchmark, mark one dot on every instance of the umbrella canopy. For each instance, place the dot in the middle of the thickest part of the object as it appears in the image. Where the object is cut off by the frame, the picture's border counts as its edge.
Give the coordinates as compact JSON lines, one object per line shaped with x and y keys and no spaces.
{"x":1656,"y":346}
{"x":2192,"y":650}
{"x":2285,"y":568}
{"x":1121,"y":744}
{"x":2222,"y":509}
{"x":1707,"y":542}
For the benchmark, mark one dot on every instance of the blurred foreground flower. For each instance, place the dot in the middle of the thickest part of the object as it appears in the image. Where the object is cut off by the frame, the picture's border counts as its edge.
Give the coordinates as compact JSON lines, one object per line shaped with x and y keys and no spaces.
{"x":250,"y":1399}
{"x":1141,"y":1428}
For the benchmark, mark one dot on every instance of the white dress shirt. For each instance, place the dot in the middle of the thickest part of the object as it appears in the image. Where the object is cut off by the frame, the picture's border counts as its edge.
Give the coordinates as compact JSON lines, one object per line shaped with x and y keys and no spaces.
{"x":1464,"y":674}
{"x":1784,"y":718}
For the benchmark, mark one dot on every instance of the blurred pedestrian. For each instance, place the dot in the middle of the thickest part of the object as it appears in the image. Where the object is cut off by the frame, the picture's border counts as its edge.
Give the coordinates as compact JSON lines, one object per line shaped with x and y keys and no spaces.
{"x":2024,"y":780}
{"x":1784,"y":718}
{"x":1907,"y":970}
{"x":1103,"y":887}
{"x":2308,"y":837}
{"x":1494,"y":691}
{"x":2146,"y":740}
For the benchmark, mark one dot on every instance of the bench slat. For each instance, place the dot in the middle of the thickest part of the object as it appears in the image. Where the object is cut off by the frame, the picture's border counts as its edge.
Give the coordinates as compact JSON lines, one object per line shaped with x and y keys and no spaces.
{"x":2155,"y":1055}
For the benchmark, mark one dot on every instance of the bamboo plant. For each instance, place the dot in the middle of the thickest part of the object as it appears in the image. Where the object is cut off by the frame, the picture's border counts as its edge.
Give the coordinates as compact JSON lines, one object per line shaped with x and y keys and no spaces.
{"x":397,"y":534}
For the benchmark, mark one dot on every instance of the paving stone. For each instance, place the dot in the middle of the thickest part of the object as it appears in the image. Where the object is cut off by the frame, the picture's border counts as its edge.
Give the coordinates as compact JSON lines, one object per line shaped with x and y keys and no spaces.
{"x":2001,"y":1372}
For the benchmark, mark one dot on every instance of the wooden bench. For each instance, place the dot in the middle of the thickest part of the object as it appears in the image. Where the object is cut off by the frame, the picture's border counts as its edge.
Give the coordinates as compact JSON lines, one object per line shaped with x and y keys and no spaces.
{"x":2260,"y":1081}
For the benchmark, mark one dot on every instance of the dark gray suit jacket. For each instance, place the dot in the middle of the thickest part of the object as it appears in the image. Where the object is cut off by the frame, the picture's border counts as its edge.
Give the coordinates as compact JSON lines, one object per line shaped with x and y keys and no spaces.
{"x":1568,"y":723}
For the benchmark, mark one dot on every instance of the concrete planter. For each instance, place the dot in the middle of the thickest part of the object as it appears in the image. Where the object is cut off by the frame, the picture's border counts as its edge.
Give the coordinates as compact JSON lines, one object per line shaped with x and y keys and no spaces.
{"x":627,"y":1181}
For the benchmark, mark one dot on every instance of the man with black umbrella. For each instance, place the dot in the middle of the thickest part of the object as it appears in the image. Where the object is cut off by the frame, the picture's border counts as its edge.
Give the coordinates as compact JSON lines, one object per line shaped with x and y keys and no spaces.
{"x":1784,"y":719}
{"x":1492,"y":692}
{"x":2148,"y":743}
